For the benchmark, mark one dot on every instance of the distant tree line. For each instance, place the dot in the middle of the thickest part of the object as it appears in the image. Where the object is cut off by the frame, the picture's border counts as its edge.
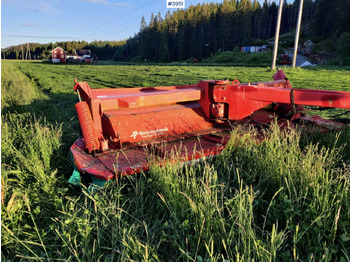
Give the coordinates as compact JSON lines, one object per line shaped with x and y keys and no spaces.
{"x":201,"y":30}
{"x":99,"y":49}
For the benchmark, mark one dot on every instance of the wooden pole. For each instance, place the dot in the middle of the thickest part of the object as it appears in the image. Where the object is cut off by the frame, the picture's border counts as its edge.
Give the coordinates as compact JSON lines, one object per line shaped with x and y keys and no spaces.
{"x":277,"y":34}
{"x":27,"y":52}
{"x":30,"y":56}
{"x":296,"y":42}
{"x":22,"y":52}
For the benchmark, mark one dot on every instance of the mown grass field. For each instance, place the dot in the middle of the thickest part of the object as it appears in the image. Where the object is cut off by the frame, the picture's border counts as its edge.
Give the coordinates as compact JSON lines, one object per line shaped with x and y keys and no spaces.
{"x":285,"y":199}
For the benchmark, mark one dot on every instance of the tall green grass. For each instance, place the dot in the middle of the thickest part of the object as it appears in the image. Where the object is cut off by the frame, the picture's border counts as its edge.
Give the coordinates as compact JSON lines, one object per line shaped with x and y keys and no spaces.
{"x":29,"y":146}
{"x":282,"y":199}
{"x":16,"y":89}
{"x":267,"y":201}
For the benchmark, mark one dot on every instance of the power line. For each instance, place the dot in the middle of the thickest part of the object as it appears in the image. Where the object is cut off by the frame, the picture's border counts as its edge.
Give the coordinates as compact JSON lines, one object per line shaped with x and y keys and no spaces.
{"x":114,"y":27}
{"x":116,"y":18}
{"x":99,"y":32}
{"x":125,"y":29}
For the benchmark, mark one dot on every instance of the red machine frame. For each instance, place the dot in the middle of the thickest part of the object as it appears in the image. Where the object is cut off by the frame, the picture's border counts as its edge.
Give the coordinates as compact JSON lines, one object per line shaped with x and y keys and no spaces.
{"x":121,"y":126}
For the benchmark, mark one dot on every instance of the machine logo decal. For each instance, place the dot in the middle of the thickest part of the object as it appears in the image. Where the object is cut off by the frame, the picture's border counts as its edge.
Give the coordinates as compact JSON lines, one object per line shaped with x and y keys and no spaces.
{"x":150,"y":133}
{"x":134,"y":134}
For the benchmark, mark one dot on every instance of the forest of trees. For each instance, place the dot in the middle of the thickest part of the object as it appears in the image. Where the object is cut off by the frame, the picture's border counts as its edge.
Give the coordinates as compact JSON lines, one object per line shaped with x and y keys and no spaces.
{"x":201,"y":30}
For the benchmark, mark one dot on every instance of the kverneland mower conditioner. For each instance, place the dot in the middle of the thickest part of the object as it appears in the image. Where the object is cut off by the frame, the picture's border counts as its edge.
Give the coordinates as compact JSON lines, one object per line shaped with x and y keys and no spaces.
{"x":122,"y":127}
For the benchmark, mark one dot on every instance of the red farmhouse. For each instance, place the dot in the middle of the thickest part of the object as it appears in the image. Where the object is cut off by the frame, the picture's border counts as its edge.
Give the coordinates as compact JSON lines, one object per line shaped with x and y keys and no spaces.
{"x":58,"y":55}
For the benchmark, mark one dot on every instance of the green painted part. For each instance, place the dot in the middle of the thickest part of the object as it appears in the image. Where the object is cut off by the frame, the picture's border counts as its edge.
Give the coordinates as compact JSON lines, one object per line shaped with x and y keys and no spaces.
{"x":75,"y":178}
{"x":96,"y":184}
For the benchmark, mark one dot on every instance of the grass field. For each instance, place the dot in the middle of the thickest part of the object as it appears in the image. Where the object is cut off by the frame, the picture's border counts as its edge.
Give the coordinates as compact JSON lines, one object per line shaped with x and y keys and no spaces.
{"x":285,"y":199}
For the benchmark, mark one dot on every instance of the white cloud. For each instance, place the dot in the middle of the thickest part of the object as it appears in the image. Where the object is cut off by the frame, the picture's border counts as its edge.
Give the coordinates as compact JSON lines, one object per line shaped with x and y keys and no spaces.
{"x":41,"y":36}
{"x":41,"y":7}
{"x":28,"y":25}
{"x":105,"y":2}
{"x":36,"y":6}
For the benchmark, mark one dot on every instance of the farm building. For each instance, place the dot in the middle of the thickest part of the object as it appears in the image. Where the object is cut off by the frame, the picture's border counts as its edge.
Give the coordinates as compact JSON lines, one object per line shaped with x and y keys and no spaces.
{"x":253,"y":49}
{"x":58,"y":55}
{"x":80,"y":55}
{"x":84,"y":55}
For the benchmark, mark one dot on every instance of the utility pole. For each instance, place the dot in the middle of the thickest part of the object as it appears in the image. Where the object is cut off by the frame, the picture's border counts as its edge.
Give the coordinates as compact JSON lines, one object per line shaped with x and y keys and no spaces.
{"x":30,"y":56}
{"x":296,"y":42}
{"x":28,"y":52}
{"x":277,"y":35}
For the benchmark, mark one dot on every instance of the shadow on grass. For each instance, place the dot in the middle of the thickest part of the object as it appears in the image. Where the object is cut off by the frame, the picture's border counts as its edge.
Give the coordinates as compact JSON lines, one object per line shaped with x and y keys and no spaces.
{"x":58,"y":111}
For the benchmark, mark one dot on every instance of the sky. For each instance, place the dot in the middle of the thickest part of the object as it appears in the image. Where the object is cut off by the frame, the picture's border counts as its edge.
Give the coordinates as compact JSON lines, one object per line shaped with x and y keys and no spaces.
{"x":44,"y":21}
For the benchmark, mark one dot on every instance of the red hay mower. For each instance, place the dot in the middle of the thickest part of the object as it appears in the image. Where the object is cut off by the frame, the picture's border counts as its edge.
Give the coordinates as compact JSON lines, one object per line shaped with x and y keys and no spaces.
{"x":122,"y":127}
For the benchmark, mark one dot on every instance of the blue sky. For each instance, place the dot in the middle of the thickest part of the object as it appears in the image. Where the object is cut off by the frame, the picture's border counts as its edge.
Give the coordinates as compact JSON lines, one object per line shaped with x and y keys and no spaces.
{"x":44,"y":21}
